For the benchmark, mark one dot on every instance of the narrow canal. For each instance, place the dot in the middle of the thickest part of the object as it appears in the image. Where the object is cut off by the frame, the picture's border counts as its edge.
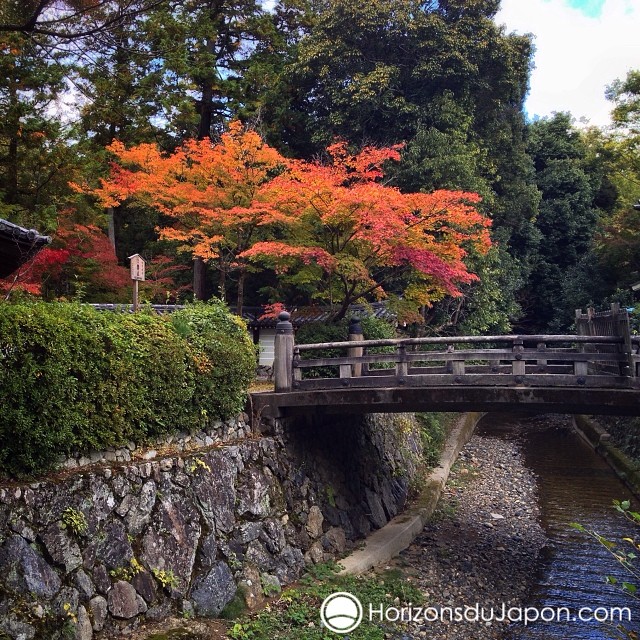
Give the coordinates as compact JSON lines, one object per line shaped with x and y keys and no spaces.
{"x":574,"y":485}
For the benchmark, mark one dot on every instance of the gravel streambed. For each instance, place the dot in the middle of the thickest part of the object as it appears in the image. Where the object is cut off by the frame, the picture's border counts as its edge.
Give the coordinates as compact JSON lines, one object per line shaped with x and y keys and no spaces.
{"x":480,"y":549}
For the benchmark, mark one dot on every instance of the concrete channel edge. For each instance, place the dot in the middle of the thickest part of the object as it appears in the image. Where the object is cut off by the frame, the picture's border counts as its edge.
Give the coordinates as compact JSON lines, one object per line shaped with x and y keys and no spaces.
{"x":598,"y":439}
{"x":400,"y":532}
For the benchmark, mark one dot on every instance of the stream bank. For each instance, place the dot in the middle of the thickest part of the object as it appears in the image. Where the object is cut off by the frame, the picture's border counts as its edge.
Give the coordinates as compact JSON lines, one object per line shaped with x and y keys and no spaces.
{"x":502,"y":535}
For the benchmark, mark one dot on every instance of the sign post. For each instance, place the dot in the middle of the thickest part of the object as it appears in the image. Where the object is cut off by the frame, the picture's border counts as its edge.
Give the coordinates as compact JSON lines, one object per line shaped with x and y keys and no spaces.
{"x":137,"y":275}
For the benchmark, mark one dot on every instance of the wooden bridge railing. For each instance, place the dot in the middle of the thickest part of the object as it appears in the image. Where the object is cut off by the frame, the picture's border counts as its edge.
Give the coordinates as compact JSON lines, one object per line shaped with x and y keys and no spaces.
{"x":601,"y":361}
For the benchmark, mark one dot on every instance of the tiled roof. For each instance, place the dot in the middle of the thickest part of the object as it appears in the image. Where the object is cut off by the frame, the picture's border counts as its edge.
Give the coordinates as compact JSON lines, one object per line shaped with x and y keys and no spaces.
{"x":17,"y":246}
{"x":252,"y":315}
{"x":305,"y":315}
{"x":128,"y":308}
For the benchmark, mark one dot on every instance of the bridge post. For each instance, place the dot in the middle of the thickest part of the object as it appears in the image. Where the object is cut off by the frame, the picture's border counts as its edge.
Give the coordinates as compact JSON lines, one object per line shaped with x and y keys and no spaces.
{"x":518,"y":365}
{"x":541,"y":347}
{"x":355,"y":334}
{"x":283,"y":354}
{"x":402,"y":365}
{"x":584,"y":327}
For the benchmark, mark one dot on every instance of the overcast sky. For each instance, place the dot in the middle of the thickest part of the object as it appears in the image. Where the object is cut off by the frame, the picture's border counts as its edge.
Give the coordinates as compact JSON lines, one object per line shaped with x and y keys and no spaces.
{"x":581,"y":47}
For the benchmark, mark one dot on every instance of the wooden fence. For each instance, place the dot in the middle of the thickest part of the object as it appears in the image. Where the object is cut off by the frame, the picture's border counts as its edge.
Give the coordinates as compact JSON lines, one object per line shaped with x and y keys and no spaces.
{"x":613,"y":322}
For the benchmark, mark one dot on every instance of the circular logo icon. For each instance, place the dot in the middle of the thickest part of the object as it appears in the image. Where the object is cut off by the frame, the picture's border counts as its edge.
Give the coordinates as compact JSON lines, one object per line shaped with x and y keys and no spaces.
{"x":341,"y":612}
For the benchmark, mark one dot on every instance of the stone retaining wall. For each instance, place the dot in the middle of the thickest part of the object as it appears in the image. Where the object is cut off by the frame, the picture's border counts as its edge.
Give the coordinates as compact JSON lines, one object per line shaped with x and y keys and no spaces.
{"x":626,"y":468}
{"x":94,"y":552}
{"x":218,"y":433}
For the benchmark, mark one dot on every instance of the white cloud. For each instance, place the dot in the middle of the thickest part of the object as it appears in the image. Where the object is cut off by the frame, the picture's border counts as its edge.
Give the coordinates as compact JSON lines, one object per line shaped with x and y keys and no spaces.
{"x":577,"y":56}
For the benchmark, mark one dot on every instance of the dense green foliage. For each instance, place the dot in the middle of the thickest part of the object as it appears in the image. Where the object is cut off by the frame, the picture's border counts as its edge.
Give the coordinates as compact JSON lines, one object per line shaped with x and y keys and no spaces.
{"x":372,"y":329}
{"x":36,"y":161}
{"x":73,"y":379}
{"x":434,"y":428}
{"x":223,"y":354}
{"x":315,"y":332}
{"x":567,"y":216}
{"x":445,"y":79}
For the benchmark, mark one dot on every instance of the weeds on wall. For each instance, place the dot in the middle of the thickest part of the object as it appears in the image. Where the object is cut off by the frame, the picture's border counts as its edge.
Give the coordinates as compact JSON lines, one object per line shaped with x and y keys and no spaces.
{"x":434,"y":428}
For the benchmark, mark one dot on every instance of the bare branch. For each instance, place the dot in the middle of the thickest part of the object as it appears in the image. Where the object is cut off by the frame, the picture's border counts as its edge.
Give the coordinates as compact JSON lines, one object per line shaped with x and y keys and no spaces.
{"x":36,"y":25}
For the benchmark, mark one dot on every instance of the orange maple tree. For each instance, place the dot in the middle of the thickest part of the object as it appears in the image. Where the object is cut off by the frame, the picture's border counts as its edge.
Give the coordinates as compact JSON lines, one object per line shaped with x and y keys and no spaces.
{"x":334,"y":227}
{"x":212,"y":194}
{"x":357,"y":238}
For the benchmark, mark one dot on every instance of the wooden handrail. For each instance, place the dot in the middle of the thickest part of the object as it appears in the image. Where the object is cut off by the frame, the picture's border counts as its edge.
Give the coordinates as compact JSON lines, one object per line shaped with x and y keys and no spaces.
{"x":454,"y":356}
{"x":606,"y":361}
{"x":393,"y":342}
{"x":558,"y":360}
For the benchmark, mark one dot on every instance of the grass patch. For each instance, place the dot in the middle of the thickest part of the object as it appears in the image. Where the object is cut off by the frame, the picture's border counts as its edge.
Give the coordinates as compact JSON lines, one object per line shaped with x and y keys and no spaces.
{"x":434,"y":429}
{"x":174,"y":634}
{"x":446,"y":510}
{"x":295,"y":615}
{"x":462,"y":474}
{"x":258,"y":386}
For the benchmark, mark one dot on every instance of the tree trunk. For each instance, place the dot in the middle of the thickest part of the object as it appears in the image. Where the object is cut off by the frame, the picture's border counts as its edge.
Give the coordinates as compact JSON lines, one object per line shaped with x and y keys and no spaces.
{"x":206,"y":103}
{"x":199,"y":273}
{"x":342,"y":312}
{"x":12,"y":172}
{"x":222,"y":282}
{"x":111,"y":227}
{"x":11,"y":192}
{"x":240,"y":300}
{"x":204,"y":131}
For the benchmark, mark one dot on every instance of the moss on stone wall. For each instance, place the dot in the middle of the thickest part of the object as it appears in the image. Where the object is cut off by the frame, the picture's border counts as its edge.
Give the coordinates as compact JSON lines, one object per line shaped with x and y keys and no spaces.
{"x":624,"y":432}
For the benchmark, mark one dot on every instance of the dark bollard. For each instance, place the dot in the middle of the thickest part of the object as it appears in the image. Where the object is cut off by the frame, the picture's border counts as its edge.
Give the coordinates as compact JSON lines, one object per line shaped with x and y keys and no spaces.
{"x":355,"y":334}
{"x":283,"y":356}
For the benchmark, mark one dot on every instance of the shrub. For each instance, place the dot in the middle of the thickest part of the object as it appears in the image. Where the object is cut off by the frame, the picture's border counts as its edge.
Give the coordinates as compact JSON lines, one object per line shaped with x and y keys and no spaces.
{"x":146,"y":366}
{"x":74,"y":379}
{"x":223,"y":357}
{"x":375,"y":329}
{"x":41,"y":353}
{"x":433,"y":431}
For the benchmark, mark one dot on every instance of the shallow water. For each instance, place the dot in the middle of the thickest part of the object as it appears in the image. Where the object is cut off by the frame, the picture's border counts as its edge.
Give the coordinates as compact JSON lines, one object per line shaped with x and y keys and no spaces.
{"x":574,"y":485}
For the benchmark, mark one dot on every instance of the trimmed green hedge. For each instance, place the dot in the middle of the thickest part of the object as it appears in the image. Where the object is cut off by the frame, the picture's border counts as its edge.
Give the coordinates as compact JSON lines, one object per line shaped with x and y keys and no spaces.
{"x":75,"y":379}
